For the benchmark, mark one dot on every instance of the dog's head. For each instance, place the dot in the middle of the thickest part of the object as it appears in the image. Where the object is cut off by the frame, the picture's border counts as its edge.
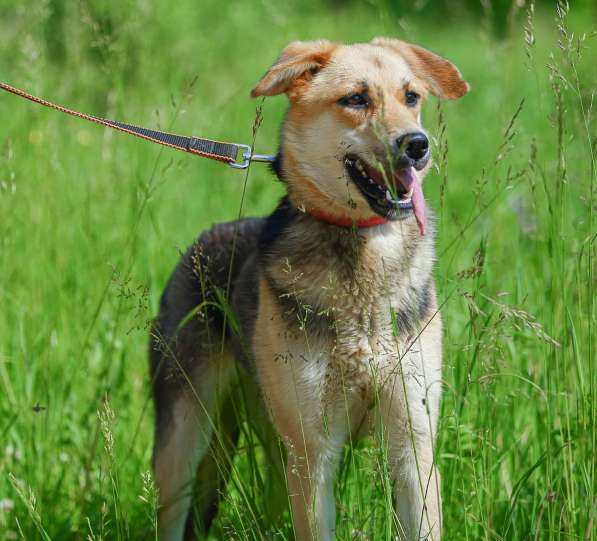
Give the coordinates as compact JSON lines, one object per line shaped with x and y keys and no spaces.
{"x":352,"y":142}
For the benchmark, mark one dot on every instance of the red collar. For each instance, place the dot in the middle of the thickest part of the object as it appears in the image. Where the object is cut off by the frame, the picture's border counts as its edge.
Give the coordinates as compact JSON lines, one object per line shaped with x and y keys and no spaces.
{"x":345,"y":221}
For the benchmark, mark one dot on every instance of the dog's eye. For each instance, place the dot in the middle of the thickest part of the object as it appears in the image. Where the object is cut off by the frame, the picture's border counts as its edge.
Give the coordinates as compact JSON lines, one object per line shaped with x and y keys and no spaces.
{"x":356,"y":100}
{"x":412,"y":98}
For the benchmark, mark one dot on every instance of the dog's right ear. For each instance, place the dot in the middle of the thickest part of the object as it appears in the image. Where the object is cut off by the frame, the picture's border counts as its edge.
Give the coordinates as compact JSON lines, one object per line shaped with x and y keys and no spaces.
{"x":295,"y":67}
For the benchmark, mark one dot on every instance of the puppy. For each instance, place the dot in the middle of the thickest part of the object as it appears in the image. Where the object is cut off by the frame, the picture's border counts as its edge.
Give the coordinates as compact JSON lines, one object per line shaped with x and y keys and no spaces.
{"x":327,"y":307}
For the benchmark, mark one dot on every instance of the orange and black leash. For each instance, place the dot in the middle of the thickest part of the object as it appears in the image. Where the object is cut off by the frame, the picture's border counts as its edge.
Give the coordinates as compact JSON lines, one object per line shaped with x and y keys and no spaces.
{"x":206,"y":148}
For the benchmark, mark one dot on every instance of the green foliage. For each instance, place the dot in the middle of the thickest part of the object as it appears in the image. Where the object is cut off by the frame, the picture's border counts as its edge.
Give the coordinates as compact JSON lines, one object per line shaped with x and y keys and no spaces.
{"x":91,"y":224}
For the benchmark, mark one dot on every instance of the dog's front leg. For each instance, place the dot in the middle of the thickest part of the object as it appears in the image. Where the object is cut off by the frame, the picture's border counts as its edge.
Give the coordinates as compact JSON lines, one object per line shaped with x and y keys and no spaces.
{"x":313,"y":448}
{"x":291,"y":373}
{"x":417,"y":493}
{"x":313,"y":445}
{"x":407,"y":423}
{"x":310,"y":474}
{"x":409,"y":447}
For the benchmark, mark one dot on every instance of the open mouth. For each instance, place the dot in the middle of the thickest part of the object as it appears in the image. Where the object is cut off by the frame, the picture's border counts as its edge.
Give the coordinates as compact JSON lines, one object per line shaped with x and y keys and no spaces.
{"x":391,"y":195}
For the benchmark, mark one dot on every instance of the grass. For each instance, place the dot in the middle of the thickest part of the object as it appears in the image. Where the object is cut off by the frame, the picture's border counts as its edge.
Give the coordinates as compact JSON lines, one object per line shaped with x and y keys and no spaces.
{"x":91,"y":224}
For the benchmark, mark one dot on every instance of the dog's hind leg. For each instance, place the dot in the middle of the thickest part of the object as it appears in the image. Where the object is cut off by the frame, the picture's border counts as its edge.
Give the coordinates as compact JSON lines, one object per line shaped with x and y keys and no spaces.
{"x":178,"y":451}
{"x":184,"y":429}
{"x":214,"y":471}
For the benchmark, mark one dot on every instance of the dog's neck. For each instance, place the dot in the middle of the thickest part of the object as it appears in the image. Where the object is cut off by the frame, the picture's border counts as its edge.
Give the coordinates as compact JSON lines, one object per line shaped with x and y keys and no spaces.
{"x":345,"y":221}
{"x":336,"y":219}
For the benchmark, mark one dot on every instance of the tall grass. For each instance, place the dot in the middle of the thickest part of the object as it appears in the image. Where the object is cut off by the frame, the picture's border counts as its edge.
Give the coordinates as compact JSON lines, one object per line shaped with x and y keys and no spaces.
{"x":92,"y":222}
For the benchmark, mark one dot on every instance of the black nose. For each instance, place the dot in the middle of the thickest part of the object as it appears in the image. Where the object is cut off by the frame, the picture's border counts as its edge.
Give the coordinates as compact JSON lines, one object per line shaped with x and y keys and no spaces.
{"x":414,"y":145}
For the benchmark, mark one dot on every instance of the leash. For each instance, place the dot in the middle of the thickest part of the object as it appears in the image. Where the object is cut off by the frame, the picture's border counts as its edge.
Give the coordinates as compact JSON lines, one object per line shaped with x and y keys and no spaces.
{"x":206,"y":148}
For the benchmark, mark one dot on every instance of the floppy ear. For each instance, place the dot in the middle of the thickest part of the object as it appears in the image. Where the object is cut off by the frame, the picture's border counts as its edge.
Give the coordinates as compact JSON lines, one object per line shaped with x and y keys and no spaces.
{"x":297,"y":64}
{"x":441,"y":76}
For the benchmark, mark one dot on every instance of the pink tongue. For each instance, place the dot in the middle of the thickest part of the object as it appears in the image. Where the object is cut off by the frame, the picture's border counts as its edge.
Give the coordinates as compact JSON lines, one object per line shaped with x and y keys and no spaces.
{"x":408,"y":180}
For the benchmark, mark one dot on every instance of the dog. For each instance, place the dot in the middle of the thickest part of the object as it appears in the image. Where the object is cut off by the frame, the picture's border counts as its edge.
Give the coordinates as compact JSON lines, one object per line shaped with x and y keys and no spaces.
{"x":325,"y":310}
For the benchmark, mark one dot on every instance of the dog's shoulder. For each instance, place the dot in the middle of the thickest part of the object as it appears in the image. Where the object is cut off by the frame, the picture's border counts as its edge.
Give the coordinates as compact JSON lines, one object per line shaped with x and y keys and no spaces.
{"x":276,"y":224}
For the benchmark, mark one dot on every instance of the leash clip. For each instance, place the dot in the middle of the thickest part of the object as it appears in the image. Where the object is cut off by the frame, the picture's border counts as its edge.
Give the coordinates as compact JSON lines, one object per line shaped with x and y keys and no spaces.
{"x":247,"y":157}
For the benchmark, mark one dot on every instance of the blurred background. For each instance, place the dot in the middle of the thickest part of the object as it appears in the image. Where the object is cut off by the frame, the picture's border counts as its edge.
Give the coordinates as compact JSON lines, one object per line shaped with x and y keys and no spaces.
{"x":92,"y":222}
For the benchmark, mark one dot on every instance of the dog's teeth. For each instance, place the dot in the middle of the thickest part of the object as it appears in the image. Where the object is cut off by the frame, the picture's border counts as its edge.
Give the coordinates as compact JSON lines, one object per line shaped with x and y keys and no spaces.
{"x":371,"y":181}
{"x":360,"y":167}
{"x":388,"y":195}
{"x":364,"y":175}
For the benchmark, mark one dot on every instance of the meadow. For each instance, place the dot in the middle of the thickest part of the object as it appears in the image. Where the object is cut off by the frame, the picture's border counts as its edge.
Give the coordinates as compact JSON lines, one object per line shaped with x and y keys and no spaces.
{"x":93,"y":221}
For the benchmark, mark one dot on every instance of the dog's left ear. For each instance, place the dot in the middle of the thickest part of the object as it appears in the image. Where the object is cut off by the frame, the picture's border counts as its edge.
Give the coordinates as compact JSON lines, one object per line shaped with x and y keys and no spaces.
{"x":441,"y":76}
{"x":297,"y":64}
